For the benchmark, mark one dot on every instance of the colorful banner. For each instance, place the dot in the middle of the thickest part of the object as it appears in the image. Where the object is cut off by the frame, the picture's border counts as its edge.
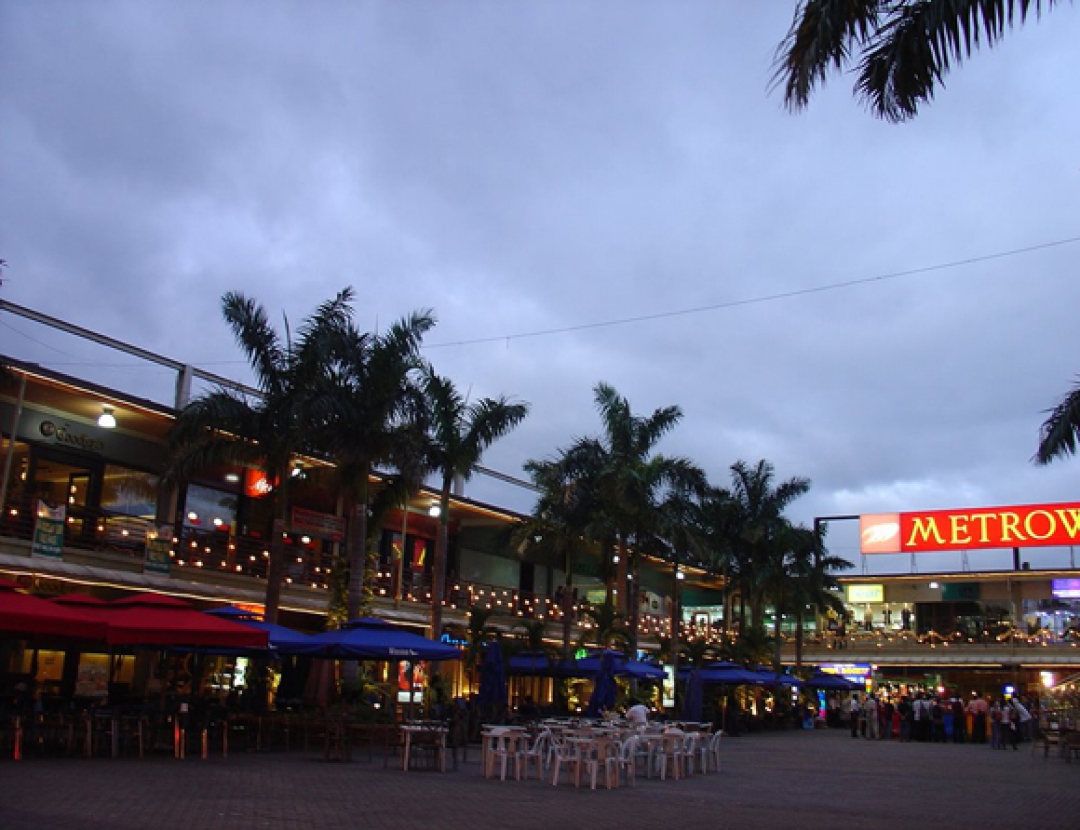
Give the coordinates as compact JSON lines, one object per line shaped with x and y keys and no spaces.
{"x":49,"y":531}
{"x":1036,"y":525}
{"x":158,"y":550}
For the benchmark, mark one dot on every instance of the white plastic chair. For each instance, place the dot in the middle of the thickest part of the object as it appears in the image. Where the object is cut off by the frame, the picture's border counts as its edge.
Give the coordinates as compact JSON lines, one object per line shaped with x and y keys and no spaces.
{"x":626,"y":761}
{"x":539,"y":752}
{"x":711,"y":750}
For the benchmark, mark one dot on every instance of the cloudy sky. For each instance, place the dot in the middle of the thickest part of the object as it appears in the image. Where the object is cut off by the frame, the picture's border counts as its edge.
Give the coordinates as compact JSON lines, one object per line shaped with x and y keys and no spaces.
{"x":583,"y":192}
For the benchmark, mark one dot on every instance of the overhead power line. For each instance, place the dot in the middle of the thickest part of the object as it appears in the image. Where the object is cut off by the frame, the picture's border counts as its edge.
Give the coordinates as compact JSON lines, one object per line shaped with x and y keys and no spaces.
{"x":766,"y":298}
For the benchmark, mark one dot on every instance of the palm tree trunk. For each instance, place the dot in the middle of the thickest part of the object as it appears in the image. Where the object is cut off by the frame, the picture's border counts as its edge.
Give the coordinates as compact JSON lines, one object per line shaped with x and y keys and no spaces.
{"x":357,"y":511}
{"x":776,"y":637}
{"x":567,"y":606}
{"x":798,"y":638}
{"x":275,"y":563}
{"x":438,"y":566}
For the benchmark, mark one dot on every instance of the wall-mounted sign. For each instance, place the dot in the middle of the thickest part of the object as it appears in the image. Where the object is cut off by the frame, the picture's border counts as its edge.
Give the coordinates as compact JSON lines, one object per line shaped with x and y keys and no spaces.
{"x":1065,"y":588}
{"x":256,"y":484}
{"x":48,"y":531}
{"x":323,"y":525}
{"x":865,"y":593}
{"x":158,"y":550}
{"x":859,"y":672}
{"x":1035,"y":525}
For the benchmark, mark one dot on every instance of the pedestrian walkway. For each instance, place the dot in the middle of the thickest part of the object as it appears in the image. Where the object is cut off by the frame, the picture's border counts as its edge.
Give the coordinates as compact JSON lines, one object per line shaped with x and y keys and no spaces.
{"x":806,"y":780}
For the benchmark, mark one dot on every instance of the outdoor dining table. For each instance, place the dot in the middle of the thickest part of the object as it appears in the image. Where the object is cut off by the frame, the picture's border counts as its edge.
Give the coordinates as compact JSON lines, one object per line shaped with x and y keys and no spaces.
{"x":500,"y":742}
{"x":429,"y":736}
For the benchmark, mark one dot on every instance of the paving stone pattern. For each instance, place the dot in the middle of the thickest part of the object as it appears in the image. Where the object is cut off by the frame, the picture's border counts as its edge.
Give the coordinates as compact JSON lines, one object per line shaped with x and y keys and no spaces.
{"x":788,"y":780}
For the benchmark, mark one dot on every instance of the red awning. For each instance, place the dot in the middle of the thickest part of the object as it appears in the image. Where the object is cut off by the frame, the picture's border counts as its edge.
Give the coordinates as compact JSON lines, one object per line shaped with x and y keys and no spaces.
{"x":28,"y":617}
{"x":157,"y":620}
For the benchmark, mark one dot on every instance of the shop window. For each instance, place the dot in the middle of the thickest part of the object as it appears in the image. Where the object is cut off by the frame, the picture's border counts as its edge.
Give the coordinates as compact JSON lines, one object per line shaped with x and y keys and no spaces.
{"x":209,"y":509}
{"x":131,"y":492}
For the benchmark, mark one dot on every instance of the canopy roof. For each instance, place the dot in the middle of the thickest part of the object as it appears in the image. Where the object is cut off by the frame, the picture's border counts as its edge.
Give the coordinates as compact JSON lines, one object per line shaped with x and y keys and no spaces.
{"x":373,"y":639}
{"x":29,"y":617}
{"x":158,"y":620}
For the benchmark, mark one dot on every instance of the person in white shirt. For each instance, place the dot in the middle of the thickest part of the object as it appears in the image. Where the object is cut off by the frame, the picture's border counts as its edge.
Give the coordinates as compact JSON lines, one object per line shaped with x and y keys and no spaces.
{"x":638,"y":714}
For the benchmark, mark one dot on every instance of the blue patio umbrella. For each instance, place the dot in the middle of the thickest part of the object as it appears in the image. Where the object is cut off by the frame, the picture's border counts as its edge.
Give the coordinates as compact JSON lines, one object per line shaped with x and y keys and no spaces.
{"x":694,"y":698}
{"x":282,"y":640}
{"x":492,"y":696}
{"x":622,"y":666}
{"x":772,"y":679}
{"x":373,"y":639}
{"x":728,"y":674}
{"x":535,"y":663}
{"x":832,"y":682}
{"x":604,"y":688}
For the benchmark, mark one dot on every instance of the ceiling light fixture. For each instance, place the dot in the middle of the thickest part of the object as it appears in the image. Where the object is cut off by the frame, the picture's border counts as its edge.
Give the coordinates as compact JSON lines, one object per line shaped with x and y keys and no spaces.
{"x":106,"y":420}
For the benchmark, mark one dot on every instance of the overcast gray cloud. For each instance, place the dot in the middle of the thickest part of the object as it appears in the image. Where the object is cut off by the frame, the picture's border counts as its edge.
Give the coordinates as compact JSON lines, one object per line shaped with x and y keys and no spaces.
{"x":527,"y":167}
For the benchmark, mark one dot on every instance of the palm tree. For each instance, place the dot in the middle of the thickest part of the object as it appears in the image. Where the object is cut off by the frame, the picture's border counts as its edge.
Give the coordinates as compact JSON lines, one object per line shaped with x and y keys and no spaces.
{"x":368,"y":415}
{"x":814,"y":583}
{"x":681,"y":537}
{"x":760,"y":525}
{"x":607,"y":627}
{"x":558,"y":528}
{"x":265,"y":431}
{"x":1061,"y":429}
{"x":631,"y":480}
{"x":458,"y":434}
{"x":904,"y":47}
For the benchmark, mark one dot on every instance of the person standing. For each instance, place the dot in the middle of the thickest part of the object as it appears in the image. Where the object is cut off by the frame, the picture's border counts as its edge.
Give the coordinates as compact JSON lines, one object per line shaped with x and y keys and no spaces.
{"x":997,"y":740}
{"x":1025,"y":719}
{"x":853,"y":715}
{"x":887,"y":710}
{"x":907,"y":719}
{"x":978,"y":709}
{"x":1010,"y":727}
{"x":871,"y":713}
{"x":959,"y":720}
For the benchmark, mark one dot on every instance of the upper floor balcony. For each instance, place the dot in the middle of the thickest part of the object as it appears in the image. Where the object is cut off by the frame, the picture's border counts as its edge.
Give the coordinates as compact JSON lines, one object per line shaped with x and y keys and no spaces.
{"x":906,"y":648}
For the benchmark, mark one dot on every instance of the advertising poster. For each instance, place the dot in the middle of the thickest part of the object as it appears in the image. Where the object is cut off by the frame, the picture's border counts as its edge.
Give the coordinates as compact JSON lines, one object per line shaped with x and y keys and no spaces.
{"x":158,"y":548}
{"x":48,"y":531}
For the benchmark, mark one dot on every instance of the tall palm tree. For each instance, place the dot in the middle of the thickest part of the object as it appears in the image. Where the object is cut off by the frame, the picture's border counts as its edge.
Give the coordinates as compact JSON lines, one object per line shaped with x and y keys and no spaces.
{"x":760,"y":525}
{"x":265,"y":431}
{"x":558,"y":528}
{"x":458,"y":434}
{"x":632,"y":480}
{"x":1061,"y":429}
{"x":814,"y":584}
{"x":721,"y":518}
{"x":904,"y":48}
{"x":681,"y":539}
{"x":368,"y":415}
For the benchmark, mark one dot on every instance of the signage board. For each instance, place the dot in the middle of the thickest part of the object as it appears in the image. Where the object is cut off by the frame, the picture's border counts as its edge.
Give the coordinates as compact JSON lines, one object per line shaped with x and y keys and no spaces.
{"x":865,"y":593}
{"x":48,"y":531}
{"x":158,"y":550}
{"x":978,"y":528}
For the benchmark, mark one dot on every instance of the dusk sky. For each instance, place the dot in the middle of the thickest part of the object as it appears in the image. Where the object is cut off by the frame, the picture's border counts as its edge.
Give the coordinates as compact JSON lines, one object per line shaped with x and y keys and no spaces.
{"x":582,"y":192}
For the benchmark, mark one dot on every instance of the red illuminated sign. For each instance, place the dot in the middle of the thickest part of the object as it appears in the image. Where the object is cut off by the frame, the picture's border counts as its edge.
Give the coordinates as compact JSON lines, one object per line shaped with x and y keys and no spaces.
{"x":1033,"y":525}
{"x":256,"y":484}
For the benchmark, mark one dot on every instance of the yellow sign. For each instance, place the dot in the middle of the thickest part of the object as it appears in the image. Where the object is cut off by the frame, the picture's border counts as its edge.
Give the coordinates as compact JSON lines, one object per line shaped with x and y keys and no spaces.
{"x":866,"y":593}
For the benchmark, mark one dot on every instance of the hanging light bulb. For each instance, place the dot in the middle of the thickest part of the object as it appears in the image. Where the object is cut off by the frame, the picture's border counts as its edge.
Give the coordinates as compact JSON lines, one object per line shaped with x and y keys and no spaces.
{"x":106,"y":420}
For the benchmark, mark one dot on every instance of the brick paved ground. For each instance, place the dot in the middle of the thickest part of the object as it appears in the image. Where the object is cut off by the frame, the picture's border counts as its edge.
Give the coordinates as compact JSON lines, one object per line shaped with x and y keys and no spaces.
{"x":796,"y":780}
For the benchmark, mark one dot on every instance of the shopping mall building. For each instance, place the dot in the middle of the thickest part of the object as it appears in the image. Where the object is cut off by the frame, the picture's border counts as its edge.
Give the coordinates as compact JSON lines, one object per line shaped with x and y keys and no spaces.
{"x":86,"y":459}
{"x":98,"y":452}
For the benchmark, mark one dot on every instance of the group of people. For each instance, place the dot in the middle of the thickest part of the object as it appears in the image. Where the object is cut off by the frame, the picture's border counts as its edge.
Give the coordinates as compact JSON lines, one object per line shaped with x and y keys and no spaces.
{"x":929,"y":718}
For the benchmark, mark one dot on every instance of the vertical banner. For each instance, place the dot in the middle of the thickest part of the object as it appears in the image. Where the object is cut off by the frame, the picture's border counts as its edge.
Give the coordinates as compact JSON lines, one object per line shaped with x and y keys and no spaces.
{"x":158,"y":550}
{"x":49,"y":531}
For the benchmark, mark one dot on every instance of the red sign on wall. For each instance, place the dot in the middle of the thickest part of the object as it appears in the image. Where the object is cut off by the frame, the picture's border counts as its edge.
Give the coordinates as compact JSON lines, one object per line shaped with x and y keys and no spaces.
{"x":1033,"y":525}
